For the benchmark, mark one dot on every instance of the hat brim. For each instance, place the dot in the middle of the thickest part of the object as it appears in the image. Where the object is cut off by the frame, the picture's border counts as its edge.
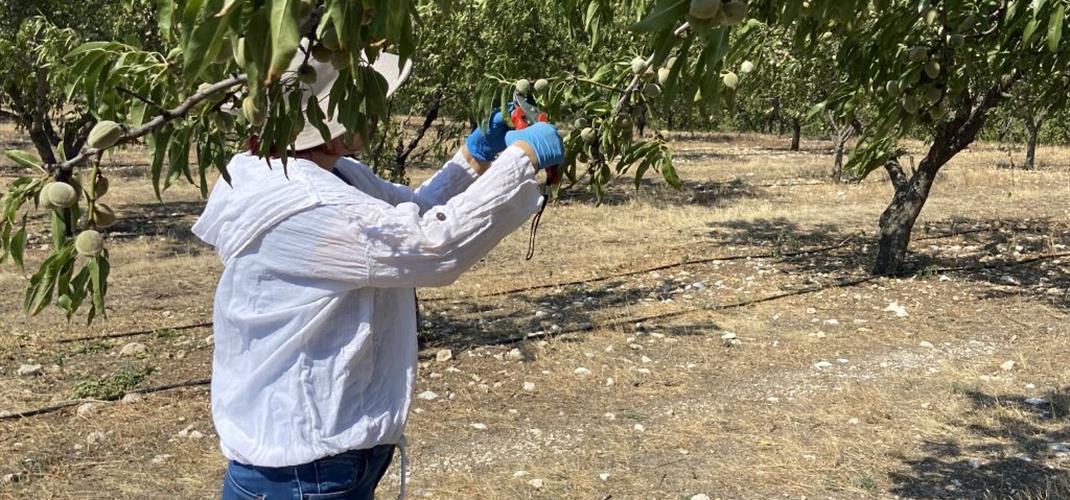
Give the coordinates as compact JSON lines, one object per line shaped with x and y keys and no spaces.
{"x":388,"y":65}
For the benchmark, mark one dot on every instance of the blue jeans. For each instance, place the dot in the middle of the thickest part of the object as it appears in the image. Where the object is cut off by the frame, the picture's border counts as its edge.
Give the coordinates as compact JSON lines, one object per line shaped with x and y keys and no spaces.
{"x":352,"y":475}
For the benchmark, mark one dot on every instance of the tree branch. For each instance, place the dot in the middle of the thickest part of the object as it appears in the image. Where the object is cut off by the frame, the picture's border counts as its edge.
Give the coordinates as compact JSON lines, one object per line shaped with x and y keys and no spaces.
{"x":140,"y":97}
{"x":637,"y":79}
{"x":159,"y":121}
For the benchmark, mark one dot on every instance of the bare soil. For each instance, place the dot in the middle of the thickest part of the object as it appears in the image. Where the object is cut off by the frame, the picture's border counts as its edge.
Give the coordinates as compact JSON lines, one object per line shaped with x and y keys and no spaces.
{"x":948,"y":383}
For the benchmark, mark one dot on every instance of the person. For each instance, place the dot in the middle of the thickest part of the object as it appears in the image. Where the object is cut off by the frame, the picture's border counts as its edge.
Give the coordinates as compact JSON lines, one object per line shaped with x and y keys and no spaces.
{"x":314,"y":315}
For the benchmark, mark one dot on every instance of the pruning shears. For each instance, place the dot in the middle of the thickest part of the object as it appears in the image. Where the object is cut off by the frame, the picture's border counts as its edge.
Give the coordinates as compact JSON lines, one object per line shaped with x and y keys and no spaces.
{"x":526,"y":112}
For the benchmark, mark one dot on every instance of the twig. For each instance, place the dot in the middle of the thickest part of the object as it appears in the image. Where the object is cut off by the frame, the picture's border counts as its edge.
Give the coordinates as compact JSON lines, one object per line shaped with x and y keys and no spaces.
{"x":141,"y":98}
{"x":638,"y":78}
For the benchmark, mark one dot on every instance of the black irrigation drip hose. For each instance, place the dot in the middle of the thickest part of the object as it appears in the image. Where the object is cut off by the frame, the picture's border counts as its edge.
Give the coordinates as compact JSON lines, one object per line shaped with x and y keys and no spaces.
{"x":133,"y":334}
{"x":517,"y":339}
{"x":67,"y":404}
{"x":786,"y":255}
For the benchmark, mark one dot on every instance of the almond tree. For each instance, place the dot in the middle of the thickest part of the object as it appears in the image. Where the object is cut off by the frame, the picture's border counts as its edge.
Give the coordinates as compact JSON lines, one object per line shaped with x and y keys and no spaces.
{"x":940,"y":67}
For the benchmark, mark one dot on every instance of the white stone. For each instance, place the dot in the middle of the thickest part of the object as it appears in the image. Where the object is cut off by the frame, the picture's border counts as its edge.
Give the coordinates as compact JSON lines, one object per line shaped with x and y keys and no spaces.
{"x":822,"y":365}
{"x":133,"y":349}
{"x":536,"y":483}
{"x":581,"y":371}
{"x":604,"y":476}
{"x":898,"y":310}
{"x":639,"y":428}
{"x":610,"y":382}
{"x":14,"y":477}
{"x":926,"y":344}
{"x":132,"y":397}
{"x":86,"y":409}
{"x":529,"y":386}
{"x":479,"y":426}
{"x":728,"y":336}
{"x":832,"y":322}
{"x":700,"y":496}
{"x":427,"y":396}
{"x":853,"y":421}
{"x":444,"y":355}
{"x":610,"y":416}
{"x":645,"y":359}
{"x":514,"y":355}
{"x":28,"y":370}
{"x":159,"y":459}
{"x":1007,"y":366}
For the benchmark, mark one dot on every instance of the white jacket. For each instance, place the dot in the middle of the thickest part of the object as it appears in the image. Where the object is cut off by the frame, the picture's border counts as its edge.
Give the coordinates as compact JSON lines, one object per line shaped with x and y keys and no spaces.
{"x":315,"y":321}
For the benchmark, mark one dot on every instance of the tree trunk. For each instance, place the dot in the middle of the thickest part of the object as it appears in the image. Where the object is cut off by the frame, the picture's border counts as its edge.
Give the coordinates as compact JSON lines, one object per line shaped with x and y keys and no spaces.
{"x":897,"y":221}
{"x":796,"y":133}
{"x":1031,"y":147}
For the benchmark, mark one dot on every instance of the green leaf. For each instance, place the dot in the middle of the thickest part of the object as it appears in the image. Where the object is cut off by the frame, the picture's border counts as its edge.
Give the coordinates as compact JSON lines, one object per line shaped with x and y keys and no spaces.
{"x":668,"y":171}
{"x":158,"y":144}
{"x":165,"y":10}
{"x":1055,"y":27}
{"x":662,"y":16}
{"x":285,"y":36}
{"x":206,"y":39}
{"x":28,"y":160}
{"x":18,"y":246}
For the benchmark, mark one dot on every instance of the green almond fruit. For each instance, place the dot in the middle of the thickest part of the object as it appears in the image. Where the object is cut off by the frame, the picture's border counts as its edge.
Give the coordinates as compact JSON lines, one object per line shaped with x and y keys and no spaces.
{"x":588,"y":135}
{"x":704,"y":9}
{"x":730,"y":80}
{"x":61,"y":194}
{"x":89,"y":243}
{"x":541,"y":84}
{"x":735,"y":12}
{"x":307,"y":74}
{"x":638,"y":65}
{"x":918,"y":54}
{"x":932,"y":69}
{"x":523,"y":85}
{"x":104,"y":134}
{"x":893,"y":88}
{"x":651,"y":90}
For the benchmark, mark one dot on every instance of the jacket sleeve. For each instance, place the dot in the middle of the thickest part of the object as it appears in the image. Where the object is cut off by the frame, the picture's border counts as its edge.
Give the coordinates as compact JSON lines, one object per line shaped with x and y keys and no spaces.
{"x":372,"y":243}
{"x":453,"y":178}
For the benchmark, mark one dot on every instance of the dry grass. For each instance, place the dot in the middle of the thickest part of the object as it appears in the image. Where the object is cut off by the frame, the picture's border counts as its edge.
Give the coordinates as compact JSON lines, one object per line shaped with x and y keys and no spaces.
{"x":913,"y":407}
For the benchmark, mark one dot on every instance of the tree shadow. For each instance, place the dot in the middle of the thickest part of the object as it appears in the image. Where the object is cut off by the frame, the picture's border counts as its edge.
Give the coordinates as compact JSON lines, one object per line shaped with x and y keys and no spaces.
{"x":464,"y":324}
{"x":1020,"y":451}
{"x":169,"y":220}
{"x":988,"y":251}
{"x":691,"y":193}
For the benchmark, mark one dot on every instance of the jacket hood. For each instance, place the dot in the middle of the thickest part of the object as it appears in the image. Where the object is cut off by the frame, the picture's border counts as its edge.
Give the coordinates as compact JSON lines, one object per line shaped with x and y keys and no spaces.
{"x":257,"y":198}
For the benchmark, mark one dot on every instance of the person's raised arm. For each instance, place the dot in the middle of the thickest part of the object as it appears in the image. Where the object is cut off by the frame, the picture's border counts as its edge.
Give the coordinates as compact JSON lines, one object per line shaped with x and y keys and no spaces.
{"x":480,"y":148}
{"x":372,"y":243}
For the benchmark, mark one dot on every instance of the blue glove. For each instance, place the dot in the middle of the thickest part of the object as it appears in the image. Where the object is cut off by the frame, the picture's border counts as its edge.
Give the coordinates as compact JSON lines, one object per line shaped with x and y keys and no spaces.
{"x":486,"y":147}
{"x":543,"y":138}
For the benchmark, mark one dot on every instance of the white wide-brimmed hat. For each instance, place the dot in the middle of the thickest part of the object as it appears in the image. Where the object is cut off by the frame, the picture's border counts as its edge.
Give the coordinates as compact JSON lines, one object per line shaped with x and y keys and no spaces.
{"x":388,"y":65}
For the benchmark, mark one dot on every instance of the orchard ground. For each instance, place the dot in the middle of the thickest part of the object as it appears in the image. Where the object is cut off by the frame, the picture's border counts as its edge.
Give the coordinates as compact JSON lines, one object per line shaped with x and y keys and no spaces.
{"x":943,"y":384}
